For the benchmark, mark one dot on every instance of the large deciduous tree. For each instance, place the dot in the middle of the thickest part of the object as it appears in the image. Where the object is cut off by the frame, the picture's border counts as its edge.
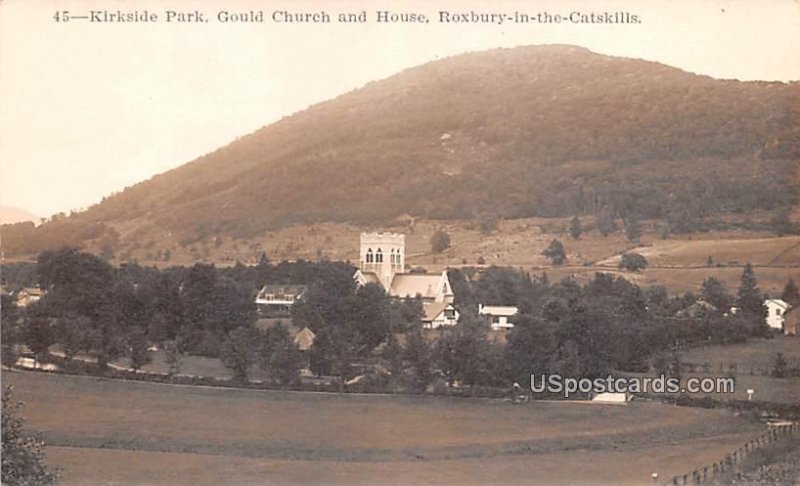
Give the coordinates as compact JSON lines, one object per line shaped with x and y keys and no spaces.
{"x":633,"y":262}
{"x":464,"y":353}
{"x":555,"y":252}
{"x":239,"y":350}
{"x":531,"y":349}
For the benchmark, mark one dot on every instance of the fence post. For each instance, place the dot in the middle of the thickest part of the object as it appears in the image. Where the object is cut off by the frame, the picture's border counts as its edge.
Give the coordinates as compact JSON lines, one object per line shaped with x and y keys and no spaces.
{"x":737,"y":456}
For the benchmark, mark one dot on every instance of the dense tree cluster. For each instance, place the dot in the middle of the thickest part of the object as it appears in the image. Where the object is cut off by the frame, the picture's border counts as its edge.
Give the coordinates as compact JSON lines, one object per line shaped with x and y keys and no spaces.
{"x":605,"y":325}
{"x":95,"y":309}
{"x":586,"y":330}
{"x":351,"y":322}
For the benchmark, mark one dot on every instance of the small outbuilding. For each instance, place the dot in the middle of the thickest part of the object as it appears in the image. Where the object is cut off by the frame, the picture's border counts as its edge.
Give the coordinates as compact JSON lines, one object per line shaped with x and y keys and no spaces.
{"x":499,"y":316}
{"x":612,"y":397}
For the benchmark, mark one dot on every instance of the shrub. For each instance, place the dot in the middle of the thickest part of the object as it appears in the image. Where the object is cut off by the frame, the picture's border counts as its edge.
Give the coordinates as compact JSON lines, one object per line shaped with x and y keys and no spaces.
{"x":555,"y":252}
{"x":575,"y":228}
{"x":633,"y":262}
{"x":440,"y":241}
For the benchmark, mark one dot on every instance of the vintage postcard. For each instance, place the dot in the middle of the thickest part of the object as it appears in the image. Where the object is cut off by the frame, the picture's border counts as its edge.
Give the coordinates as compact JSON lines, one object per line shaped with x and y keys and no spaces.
{"x":400,"y":242}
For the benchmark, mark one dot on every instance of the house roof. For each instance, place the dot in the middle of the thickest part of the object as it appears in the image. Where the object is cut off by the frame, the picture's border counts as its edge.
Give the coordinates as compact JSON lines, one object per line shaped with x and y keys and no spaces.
{"x":432,"y":310}
{"x":365,"y":278}
{"x":409,"y":285}
{"x":32,"y":291}
{"x":281,"y":289}
{"x":497,"y":310}
{"x":704,"y":304}
{"x":697,"y":308}
{"x":778,"y":302}
{"x":304,"y":339}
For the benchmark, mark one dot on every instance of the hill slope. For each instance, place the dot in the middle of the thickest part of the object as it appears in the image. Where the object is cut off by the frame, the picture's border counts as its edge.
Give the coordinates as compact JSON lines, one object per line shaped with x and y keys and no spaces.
{"x":544,"y":131}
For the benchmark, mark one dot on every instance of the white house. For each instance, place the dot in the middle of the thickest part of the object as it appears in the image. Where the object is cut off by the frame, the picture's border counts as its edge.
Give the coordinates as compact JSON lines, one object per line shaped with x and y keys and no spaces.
{"x":382,"y":261}
{"x":28,"y":296}
{"x":776,"y":308}
{"x":499,"y":316}
{"x":276,"y":300}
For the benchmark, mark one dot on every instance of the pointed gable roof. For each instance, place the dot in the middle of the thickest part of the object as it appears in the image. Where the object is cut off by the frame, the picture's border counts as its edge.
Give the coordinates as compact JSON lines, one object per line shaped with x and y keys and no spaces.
{"x":432,"y":310}
{"x":364,"y":278}
{"x":435,"y":286}
{"x":409,"y":285}
{"x":304,"y":339}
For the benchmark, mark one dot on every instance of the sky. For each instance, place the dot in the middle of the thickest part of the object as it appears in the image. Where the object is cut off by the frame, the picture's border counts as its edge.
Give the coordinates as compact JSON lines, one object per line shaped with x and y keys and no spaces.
{"x":89,"y":108}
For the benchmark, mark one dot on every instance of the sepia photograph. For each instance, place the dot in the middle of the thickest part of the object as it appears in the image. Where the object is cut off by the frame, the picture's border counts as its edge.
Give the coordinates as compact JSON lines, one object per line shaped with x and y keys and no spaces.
{"x":400,"y":242}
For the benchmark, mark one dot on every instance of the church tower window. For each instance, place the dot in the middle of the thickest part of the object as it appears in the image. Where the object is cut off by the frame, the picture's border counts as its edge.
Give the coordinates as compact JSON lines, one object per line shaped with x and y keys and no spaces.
{"x":370,"y":256}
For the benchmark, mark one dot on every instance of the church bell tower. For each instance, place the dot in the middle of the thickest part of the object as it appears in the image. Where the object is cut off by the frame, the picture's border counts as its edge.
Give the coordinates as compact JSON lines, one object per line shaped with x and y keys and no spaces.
{"x":383,"y":254}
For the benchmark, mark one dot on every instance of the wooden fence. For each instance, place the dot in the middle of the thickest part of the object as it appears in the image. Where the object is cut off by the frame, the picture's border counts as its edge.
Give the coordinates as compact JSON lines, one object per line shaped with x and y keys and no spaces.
{"x":733,"y":368}
{"x":714,"y":470}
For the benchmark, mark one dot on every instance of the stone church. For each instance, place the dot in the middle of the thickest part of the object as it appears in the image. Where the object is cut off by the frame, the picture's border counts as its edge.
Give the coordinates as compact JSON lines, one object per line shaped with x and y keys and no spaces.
{"x":382,"y":261}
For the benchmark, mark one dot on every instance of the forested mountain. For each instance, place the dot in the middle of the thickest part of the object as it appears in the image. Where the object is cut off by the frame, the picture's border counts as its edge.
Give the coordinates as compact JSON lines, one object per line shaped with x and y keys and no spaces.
{"x":529,"y":131}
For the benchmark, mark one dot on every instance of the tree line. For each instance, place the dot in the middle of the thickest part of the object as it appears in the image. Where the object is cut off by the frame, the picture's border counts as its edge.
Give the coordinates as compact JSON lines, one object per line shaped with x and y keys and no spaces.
{"x":587,"y":330}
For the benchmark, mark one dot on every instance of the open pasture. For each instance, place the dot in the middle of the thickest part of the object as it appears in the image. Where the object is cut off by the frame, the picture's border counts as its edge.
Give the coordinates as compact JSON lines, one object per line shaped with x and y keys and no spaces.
{"x":103,"y":431}
{"x":758,"y":354}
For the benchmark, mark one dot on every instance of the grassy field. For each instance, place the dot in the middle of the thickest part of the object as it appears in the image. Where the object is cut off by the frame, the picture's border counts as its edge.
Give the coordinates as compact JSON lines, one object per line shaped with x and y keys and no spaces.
{"x":723,"y":251}
{"x":756,"y":354}
{"x":752,"y":364}
{"x":753,"y":361}
{"x":118,"y":432}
